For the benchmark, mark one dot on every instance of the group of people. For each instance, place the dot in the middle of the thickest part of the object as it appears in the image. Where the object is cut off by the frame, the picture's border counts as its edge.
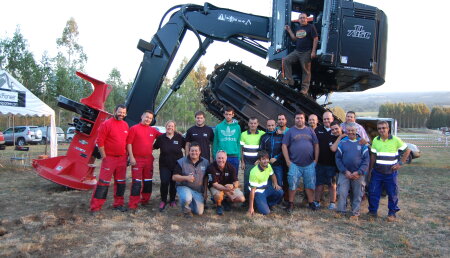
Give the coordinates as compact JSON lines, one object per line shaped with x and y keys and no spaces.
{"x":274,"y":163}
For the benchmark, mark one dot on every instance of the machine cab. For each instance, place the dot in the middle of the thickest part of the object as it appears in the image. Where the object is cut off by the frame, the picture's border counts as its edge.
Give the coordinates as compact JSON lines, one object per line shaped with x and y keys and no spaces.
{"x":351,"y":53}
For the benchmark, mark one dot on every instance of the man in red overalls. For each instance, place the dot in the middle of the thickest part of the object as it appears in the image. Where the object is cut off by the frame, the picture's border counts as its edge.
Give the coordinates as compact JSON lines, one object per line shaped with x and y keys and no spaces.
{"x":140,"y":150}
{"x":111,"y":142}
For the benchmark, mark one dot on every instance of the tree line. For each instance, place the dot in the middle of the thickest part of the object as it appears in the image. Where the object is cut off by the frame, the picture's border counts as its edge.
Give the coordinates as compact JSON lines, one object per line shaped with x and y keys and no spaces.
{"x":51,"y":76}
{"x":416,"y":115}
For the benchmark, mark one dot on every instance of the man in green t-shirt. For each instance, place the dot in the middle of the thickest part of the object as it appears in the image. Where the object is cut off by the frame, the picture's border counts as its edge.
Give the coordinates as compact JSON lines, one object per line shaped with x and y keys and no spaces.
{"x":226,"y":137}
{"x":263,"y":195}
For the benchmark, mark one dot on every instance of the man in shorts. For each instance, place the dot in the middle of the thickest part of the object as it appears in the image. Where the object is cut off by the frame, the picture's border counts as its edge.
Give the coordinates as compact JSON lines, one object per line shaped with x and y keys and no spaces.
{"x":224,"y":183}
{"x":301,"y":152}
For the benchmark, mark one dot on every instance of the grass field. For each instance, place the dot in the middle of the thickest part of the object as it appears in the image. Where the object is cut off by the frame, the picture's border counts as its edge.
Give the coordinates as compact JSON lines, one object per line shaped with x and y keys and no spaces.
{"x":40,"y":218}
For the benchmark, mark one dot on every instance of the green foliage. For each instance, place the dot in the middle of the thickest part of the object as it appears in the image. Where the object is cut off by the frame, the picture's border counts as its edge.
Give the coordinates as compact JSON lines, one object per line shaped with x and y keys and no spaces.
{"x":408,"y":115}
{"x":183,"y":103}
{"x":119,"y":92}
{"x":439,"y":117}
{"x":54,"y":76}
{"x":20,"y":63}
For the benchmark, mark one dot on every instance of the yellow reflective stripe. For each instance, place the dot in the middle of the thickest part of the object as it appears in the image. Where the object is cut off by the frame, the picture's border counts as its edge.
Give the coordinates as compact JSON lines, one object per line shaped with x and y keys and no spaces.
{"x":250,"y":154}
{"x":251,"y":146}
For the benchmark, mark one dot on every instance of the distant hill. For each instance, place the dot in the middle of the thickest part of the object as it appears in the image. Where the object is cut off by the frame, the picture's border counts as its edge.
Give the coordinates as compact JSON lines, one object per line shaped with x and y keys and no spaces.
{"x":370,"y":102}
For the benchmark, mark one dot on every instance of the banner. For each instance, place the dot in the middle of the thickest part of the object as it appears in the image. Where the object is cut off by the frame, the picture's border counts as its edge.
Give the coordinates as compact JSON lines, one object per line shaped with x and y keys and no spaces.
{"x":12,"y":98}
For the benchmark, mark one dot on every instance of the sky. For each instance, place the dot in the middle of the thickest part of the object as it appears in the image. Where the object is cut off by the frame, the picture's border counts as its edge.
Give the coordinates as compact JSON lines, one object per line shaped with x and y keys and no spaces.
{"x":110,"y":31}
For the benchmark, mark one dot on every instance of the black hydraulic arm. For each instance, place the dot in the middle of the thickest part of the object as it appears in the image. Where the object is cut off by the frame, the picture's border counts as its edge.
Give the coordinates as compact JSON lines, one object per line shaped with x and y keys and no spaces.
{"x":211,"y":22}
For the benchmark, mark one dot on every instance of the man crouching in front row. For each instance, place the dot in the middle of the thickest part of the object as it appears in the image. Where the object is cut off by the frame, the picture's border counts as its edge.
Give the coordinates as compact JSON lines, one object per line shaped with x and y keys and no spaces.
{"x":224,"y":183}
{"x":189,"y":174}
{"x":263,"y":195}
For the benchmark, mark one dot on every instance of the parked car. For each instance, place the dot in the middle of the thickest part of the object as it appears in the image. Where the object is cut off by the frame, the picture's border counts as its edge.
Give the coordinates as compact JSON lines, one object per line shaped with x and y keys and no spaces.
{"x":22,"y":135}
{"x":415,"y":152}
{"x":2,"y":141}
{"x":70,"y":133}
{"x":370,"y":124}
{"x":161,"y":129}
{"x":46,"y":130}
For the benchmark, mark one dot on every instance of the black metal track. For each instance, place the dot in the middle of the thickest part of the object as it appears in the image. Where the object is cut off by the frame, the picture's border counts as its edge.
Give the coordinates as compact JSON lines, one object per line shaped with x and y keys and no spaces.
{"x":252,"y":94}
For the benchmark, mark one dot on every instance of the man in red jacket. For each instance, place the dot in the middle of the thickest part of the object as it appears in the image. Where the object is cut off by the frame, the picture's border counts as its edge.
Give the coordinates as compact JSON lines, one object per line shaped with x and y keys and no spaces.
{"x":140,"y":150}
{"x":111,"y":142}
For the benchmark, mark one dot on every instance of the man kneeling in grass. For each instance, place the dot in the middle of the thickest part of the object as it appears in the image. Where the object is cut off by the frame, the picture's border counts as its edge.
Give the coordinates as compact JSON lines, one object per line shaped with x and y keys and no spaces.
{"x":352,"y":160}
{"x":263,"y":195}
{"x":225,"y":183}
{"x":189,"y":173}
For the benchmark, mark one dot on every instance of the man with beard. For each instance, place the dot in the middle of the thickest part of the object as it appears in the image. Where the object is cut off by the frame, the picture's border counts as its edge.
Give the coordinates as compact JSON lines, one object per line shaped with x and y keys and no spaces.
{"x":190,"y":175}
{"x":111,"y":142}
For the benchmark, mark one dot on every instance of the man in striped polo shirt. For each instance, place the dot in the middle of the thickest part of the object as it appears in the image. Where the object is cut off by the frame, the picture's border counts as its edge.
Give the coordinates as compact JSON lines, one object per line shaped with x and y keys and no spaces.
{"x":385,"y":161}
{"x":250,"y":145}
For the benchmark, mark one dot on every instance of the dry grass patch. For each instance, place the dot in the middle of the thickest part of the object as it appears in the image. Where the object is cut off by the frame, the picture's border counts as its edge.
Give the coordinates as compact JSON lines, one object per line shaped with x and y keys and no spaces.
{"x":40,"y":218}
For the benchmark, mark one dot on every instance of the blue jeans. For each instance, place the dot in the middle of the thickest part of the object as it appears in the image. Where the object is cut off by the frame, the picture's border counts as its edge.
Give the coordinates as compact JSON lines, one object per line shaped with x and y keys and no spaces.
{"x":308,"y":173}
{"x":268,"y":198}
{"x":190,"y":200}
{"x":389,"y":181}
{"x":235,"y":162}
{"x":278,"y":171}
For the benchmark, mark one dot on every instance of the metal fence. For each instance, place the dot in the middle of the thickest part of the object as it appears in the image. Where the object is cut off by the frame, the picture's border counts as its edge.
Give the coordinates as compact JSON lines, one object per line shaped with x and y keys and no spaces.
{"x":427,"y":140}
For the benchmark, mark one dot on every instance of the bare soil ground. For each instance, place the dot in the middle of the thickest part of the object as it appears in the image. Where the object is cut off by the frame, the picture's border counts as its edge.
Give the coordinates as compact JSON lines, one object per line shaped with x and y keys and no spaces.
{"x":39,"y":218}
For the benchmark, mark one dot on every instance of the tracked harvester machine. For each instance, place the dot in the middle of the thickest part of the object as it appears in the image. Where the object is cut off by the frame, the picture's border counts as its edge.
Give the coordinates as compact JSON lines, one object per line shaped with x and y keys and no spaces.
{"x":351,"y":56}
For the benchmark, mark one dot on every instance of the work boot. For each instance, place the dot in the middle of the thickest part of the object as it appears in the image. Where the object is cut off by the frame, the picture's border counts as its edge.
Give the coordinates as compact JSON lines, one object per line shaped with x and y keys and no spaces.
{"x":313,"y":206}
{"x":287,"y":81}
{"x":120,"y":208}
{"x":354,"y":218}
{"x":188,"y":215}
{"x":290,"y":208}
{"x":226,"y":205}
{"x":304,"y":91}
{"x":391,"y":218}
{"x":219,"y":210}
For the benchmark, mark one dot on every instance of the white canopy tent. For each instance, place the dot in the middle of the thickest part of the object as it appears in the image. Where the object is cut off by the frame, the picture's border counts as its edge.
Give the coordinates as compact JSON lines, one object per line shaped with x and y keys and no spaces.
{"x":15,"y":99}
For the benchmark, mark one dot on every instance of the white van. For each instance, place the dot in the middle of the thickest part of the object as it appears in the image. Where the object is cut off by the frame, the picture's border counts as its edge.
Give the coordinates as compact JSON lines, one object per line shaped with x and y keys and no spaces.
{"x":70,"y":133}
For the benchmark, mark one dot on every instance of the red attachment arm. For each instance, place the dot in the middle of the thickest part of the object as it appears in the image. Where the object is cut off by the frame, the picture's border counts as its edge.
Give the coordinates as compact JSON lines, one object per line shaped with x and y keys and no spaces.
{"x":101,"y":92}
